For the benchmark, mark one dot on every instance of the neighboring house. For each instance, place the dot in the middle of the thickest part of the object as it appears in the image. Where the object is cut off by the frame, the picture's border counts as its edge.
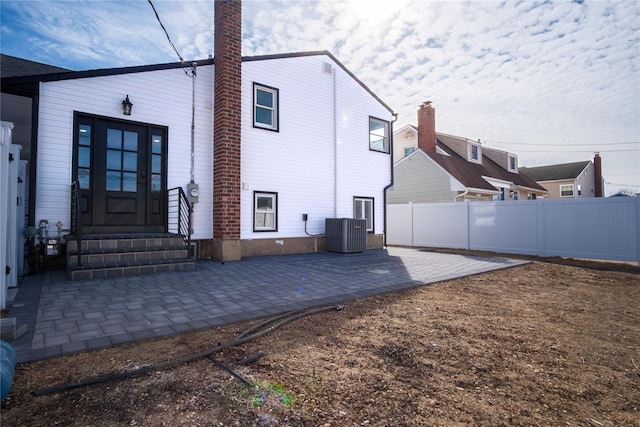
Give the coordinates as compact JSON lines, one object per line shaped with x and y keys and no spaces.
{"x":279,"y":139}
{"x":570,"y":180}
{"x":433,"y":167}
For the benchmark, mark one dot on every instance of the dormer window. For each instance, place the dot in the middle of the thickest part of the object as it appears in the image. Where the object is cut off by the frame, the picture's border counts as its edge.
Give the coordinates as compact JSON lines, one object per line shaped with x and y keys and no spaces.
{"x":513,"y":163}
{"x":475,"y":153}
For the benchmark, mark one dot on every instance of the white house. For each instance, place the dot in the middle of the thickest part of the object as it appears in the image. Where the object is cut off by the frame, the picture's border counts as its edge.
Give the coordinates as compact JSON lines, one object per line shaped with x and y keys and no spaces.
{"x":310,"y":139}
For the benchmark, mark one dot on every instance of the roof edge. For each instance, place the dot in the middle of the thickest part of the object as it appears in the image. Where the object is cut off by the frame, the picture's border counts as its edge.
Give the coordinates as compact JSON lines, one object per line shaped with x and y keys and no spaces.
{"x":101,"y":72}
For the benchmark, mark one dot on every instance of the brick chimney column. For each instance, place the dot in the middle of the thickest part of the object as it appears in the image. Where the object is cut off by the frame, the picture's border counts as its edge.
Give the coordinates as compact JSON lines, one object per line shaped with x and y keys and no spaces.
{"x":426,"y":127}
{"x":597,"y":179}
{"x":227,"y":129}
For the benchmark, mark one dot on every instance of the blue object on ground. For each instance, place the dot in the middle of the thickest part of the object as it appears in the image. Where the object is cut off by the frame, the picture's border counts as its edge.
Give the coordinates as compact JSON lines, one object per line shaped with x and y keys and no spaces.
{"x":7,"y":365}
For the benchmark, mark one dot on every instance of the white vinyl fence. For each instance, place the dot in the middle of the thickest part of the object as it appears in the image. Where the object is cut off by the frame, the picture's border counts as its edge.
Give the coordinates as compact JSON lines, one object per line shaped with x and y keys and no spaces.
{"x":593,"y":228}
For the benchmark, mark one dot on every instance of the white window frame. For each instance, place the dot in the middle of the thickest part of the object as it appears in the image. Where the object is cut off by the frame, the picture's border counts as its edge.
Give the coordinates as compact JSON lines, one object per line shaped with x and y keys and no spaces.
{"x":260,"y":215}
{"x":512,"y":159}
{"x":273,"y":109}
{"x":374,"y":137}
{"x":478,"y":158}
{"x":572,"y":190}
{"x":363,"y":208}
{"x":409,"y":150}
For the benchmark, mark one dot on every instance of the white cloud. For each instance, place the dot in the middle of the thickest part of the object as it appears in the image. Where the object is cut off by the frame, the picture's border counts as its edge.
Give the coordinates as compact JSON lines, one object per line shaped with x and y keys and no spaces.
{"x":525,"y":73}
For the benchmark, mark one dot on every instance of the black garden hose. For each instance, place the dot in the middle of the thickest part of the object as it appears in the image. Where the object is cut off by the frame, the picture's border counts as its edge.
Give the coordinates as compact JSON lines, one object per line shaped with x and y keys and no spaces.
{"x":184,"y":359}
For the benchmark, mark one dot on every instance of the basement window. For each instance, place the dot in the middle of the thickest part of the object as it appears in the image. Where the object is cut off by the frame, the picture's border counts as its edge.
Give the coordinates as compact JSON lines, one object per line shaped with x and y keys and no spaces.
{"x":363,"y":209}
{"x":265,"y":211}
{"x":265,"y":107}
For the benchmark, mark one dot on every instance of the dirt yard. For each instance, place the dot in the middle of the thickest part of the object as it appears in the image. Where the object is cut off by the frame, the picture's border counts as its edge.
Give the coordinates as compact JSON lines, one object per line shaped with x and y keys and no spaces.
{"x":537,"y":345}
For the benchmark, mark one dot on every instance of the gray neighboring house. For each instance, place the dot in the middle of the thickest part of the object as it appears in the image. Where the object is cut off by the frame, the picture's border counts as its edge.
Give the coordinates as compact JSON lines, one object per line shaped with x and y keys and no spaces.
{"x":570,"y":180}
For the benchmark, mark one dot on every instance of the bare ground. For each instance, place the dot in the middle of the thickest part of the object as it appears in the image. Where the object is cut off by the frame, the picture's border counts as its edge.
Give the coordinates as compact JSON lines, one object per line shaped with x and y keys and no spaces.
{"x":540,"y":344}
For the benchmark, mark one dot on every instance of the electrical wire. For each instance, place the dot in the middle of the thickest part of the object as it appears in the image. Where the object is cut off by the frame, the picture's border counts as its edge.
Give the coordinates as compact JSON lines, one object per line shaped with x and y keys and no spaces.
{"x":165,"y":32}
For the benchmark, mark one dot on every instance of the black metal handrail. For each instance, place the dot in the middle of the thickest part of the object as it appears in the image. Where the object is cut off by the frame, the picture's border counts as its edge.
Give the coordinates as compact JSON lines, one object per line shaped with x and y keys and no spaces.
{"x":75,"y":217}
{"x":180,"y":215}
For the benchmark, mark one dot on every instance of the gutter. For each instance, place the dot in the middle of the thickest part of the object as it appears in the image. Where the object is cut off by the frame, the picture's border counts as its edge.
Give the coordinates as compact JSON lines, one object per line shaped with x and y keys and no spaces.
{"x":461,"y":195}
{"x":384,"y":192}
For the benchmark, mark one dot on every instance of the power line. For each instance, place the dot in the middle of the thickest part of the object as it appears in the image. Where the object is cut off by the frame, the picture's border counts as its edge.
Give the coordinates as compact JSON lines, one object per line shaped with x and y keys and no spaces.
{"x":576,"y":151}
{"x":561,"y":145}
{"x":165,"y":32}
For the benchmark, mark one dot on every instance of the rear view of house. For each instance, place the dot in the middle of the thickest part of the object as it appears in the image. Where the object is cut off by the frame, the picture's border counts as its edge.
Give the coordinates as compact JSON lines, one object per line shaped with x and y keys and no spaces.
{"x":264,"y":148}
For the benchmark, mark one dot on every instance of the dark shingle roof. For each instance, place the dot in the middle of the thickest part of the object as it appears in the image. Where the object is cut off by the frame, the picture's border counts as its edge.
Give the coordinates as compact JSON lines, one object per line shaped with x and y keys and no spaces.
{"x":556,"y":172}
{"x":471,"y":174}
{"x":10,"y":66}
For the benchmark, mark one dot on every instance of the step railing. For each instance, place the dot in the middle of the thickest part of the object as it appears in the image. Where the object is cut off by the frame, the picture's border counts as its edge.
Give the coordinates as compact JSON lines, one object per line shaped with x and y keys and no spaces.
{"x":75,"y":218}
{"x":180,"y":215}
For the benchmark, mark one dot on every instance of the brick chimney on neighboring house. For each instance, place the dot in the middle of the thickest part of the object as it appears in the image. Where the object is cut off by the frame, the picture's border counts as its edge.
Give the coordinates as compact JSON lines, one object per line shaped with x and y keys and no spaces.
{"x":598,"y":182}
{"x":426,"y":127}
{"x":227,"y":129}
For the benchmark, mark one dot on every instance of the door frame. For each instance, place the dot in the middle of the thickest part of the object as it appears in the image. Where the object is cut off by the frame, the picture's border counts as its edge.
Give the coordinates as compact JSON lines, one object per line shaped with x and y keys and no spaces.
{"x":88,"y":200}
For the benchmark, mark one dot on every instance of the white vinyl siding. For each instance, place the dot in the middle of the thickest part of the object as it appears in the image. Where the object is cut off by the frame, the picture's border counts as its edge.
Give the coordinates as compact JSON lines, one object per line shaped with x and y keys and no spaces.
{"x":419,"y":180}
{"x":316,"y":166}
{"x":103,"y":96}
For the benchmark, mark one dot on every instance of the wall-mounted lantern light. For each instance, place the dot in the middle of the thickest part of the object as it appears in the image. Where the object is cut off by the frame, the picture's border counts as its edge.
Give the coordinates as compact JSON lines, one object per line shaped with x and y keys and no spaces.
{"x":126,"y":106}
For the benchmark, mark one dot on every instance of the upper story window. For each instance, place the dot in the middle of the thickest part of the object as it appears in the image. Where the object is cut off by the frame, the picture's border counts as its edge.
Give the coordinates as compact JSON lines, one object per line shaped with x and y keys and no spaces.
{"x":265,"y":107}
{"x":513,"y":163}
{"x":378,"y":135}
{"x":265,"y":211}
{"x":409,"y":150}
{"x":566,"y":190}
{"x":474,"y":153}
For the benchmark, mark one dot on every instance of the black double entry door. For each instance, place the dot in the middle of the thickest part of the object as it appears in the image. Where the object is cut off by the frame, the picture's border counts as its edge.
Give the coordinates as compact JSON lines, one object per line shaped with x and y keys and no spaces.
{"x":120,"y":168}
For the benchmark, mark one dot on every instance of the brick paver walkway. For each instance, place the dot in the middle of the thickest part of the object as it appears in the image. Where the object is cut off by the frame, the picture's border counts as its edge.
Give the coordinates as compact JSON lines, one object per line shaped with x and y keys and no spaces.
{"x":65,"y":317}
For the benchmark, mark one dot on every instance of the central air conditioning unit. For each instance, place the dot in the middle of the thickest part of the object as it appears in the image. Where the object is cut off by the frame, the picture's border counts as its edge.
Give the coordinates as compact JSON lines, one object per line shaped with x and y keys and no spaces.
{"x":345,"y":235}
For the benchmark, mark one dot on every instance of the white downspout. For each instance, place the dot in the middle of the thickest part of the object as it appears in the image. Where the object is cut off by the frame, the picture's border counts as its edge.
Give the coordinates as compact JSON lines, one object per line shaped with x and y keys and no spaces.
{"x":335,"y":145}
{"x":462,"y":194}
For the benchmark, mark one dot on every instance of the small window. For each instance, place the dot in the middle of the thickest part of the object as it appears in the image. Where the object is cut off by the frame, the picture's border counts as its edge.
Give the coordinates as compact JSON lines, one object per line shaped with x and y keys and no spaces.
{"x":378,"y":135}
{"x":513,"y":163}
{"x":566,"y":190}
{"x":409,"y":150}
{"x":475,"y":153}
{"x":265,"y":211}
{"x":265,"y":107}
{"x":363,"y":209}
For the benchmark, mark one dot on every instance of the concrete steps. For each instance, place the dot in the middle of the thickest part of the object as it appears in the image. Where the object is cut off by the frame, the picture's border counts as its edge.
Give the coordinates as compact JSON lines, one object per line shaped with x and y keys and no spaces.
{"x":114,"y":255}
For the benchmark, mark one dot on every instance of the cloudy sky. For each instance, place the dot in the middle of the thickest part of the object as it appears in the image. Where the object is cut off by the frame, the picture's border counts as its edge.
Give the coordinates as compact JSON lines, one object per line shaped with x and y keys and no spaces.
{"x":552,"y":82}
